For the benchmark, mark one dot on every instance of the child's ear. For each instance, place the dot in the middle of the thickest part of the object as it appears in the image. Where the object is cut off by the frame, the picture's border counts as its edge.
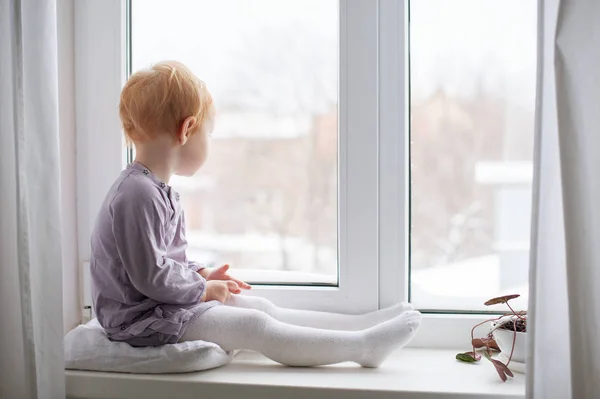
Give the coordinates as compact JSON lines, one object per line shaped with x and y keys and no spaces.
{"x":186,"y":130}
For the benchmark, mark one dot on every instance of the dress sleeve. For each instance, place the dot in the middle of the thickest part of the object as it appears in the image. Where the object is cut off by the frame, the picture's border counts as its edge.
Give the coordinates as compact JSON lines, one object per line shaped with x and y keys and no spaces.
{"x":195,"y":266}
{"x":139,"y":227}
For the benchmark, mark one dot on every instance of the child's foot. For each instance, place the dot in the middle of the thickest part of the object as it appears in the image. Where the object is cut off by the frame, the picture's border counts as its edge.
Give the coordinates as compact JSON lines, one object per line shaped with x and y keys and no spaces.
{"x":380,"y":316}
{"x":398,"y":309}
{"x":388,"y":336}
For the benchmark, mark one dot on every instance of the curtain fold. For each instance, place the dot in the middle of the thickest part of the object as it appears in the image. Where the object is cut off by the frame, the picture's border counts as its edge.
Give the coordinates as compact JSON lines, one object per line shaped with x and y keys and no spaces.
{"x":30,"y":238}
{"x":577,"y":63}
{"x":564,"y":359}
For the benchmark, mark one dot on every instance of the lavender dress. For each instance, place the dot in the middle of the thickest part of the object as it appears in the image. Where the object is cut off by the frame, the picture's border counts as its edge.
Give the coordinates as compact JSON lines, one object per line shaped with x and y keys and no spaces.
{"x":145,"y":291}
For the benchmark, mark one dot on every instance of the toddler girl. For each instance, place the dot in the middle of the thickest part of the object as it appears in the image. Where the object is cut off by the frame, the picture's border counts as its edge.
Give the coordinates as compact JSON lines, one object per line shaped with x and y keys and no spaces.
{"x":146,"y":291}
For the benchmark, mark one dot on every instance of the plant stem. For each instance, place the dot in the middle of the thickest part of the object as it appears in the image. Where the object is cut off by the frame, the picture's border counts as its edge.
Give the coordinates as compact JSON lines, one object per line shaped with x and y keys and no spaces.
{"x":499,"y":325}
{"x":512,"y":350}
{"x":515,"y":313}
{"x":473,"y":332}
{"x":477,"y":325}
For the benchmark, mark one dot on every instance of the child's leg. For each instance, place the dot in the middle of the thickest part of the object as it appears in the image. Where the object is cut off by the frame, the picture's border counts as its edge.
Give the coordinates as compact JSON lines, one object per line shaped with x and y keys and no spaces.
{"x":328,"y":321}
{"x":235,"y":328}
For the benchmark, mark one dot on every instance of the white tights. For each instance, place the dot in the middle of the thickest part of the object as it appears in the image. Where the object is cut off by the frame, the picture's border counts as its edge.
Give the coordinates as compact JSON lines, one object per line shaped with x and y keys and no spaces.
{"x":305,"y":338}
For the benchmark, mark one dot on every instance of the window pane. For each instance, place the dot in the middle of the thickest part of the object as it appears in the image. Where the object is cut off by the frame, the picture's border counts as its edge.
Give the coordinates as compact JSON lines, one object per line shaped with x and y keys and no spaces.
{"x":473,"y":74}
{"x":266,"y":201}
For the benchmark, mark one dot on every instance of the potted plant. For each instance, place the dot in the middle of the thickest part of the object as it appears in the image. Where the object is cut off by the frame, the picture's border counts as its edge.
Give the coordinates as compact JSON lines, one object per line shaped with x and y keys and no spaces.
{"x":507,"y":335}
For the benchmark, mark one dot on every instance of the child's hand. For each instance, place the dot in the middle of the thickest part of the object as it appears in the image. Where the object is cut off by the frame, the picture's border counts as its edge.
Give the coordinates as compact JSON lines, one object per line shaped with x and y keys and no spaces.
{"x":220,"y":290}
{"x":220,"y":273}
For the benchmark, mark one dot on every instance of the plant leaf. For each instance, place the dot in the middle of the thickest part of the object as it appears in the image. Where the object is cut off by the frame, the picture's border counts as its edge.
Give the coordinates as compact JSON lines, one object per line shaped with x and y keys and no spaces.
{"x":500,"y":371}
{"x":489,"y":343}
{"x":468,"y":357}
{"x":501,"y":299}
{"x":493,"y":344}
{"x":509,"y":372}
{"x":501,"y":368}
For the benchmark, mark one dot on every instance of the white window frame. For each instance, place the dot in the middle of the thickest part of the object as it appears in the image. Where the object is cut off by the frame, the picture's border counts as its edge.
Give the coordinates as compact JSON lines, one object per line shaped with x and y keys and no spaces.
{"x":373,"y":155}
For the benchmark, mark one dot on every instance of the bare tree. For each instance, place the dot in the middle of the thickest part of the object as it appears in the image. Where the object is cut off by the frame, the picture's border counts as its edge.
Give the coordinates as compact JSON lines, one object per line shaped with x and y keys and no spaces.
{"x":293,"y":76}
{"x":452,"y":214}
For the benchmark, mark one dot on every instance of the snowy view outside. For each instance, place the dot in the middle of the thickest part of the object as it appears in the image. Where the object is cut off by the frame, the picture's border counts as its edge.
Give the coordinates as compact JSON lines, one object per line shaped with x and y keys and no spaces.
{"x":267,"y":198}
{"x":473,"y":74}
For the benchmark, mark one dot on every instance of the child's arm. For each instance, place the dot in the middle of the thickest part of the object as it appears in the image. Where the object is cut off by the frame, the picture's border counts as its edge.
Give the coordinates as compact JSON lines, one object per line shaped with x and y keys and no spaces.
{"x":202,"y":270}
{"x":219,"y":290}
{"x":198,"y":267}
{"x":139,"y":221}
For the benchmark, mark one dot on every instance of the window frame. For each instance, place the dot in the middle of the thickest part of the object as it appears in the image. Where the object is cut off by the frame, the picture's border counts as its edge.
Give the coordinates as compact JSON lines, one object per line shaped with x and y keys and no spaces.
{"x":373,"y":177}
{"x":101,"y":69}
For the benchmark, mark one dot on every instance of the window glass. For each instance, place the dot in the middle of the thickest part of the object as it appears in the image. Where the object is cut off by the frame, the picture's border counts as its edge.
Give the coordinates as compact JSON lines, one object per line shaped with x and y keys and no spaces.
{"x":266,"y":201}
{"x":472,"y":79}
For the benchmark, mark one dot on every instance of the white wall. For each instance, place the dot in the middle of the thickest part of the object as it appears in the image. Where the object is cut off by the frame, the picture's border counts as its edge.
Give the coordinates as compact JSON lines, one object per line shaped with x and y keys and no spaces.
{"x":66,"y":82}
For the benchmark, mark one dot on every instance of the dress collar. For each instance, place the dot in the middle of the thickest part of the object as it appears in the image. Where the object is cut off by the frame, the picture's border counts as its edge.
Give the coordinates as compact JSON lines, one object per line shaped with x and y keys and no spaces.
{"x":138,"y":167}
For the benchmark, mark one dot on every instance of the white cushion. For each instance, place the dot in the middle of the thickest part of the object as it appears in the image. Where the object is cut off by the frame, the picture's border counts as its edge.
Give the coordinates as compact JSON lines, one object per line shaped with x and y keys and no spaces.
{"x":88,"y":348}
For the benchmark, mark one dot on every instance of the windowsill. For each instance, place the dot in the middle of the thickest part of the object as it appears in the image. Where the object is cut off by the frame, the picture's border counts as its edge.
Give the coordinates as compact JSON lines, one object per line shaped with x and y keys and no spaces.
{"x":409,"y":373}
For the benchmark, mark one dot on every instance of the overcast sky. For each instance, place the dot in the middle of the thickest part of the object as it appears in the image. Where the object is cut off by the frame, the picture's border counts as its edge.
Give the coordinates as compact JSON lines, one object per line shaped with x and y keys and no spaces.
{"x":454,"y":43}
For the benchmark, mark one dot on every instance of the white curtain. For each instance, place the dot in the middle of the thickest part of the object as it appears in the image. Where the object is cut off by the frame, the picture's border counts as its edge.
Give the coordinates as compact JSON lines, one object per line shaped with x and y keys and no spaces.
{"x":31,"y":354}
{"x":564,"y":358}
